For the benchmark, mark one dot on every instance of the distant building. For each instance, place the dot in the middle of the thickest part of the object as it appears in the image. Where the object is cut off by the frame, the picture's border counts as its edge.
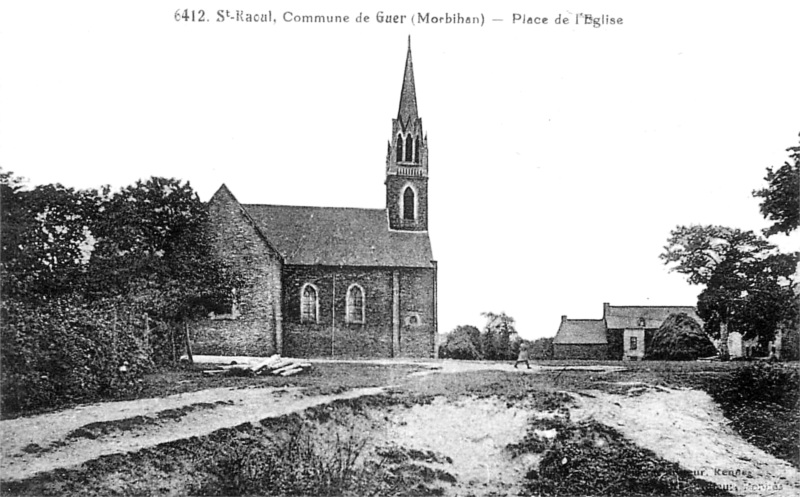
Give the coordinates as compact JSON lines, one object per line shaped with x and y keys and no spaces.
{"x":581,"y":339}
{"x":624,"y":332}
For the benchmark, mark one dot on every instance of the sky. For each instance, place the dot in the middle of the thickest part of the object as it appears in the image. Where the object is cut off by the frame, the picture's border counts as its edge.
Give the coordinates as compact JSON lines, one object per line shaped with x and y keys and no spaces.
{"x":561,"y":156}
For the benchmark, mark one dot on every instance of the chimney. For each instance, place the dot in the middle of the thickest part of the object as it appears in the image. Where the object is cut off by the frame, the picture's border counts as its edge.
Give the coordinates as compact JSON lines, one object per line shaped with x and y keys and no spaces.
{"x":563,"y":319}
{"x":606,"y":309}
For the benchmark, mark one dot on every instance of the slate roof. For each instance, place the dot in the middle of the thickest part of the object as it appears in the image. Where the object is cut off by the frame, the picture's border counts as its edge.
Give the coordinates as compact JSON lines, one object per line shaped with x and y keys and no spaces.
{"x":619,"y":317}
{"x":338,"y":236}
{"x":581,"y":331}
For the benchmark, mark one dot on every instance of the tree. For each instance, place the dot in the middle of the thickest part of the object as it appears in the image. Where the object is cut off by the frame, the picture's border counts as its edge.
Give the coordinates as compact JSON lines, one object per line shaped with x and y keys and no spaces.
{"x":46,"y":238}
{"x":152,"y":246}
{"x":496,"y":336}
{"x":781,"y":198}
{"x":462,"y":343}
{"x":747,"y":281}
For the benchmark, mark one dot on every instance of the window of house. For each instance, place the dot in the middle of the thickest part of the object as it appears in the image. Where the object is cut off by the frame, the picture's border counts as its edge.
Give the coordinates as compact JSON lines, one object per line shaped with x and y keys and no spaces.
{"x":642,"y":323}
{"x":408,"y":204}
{"x":634,"y":343}
{"x":409,"y":148}
{"x":399,"y":148}
{"x":309,"y":304}
{"x":355,"y":304}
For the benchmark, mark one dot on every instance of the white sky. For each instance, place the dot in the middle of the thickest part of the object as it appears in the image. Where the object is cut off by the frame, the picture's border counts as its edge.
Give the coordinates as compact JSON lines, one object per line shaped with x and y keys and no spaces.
{"x":560,"y":156}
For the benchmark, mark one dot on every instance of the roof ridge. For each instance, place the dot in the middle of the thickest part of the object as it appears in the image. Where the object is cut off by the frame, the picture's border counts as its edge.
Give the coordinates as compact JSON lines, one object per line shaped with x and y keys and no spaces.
{"x":651,"y":306}
{"x":317,"y":207}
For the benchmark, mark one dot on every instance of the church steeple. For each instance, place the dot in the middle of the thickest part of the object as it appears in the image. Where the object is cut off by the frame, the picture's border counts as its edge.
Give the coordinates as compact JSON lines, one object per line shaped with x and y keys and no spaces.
{"x":407,"y":161}
{"x":408,"y":95}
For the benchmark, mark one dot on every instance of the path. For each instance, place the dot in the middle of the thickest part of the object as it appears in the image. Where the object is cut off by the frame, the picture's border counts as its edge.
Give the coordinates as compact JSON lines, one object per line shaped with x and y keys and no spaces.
{"x":244,"y":405}
{"x":33,"y":444}
{"x":687,"y":427}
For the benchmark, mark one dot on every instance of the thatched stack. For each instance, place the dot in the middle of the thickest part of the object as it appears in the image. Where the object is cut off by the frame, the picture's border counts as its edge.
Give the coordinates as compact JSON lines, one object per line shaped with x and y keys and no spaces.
{"x":680,"y":338}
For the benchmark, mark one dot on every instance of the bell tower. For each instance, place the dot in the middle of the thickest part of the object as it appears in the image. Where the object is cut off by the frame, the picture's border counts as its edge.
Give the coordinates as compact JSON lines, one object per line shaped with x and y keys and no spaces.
{"x":407,"y":162}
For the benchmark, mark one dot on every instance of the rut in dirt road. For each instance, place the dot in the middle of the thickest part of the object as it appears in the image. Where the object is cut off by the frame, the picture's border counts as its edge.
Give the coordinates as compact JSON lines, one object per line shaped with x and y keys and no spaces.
{"x":42,"y":443}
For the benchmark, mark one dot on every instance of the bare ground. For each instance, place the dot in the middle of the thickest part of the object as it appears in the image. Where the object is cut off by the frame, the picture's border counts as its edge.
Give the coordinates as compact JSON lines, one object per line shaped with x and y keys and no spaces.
{"x":683,"y":426}
{"x":42,"y":443}
{"x":687,"y":427}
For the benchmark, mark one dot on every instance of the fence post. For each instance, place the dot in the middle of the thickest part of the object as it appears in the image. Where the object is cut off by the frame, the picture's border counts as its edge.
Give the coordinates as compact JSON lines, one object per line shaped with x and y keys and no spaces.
{"x":188,"y":344}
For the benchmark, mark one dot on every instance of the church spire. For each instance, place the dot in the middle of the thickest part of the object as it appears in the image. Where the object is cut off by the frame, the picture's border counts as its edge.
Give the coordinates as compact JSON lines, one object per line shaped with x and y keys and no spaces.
{"x":407,"y":162}
{"x":408,"y":95}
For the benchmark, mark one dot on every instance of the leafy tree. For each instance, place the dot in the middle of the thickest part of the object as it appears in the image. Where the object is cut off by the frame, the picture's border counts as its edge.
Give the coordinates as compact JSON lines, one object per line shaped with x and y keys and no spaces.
{"x":46,"y":238}
{"x":152,"y":247}
{"x":781,"y":198}
{"x":496,"y":336}
{"x":462,"y":343}
{"x":747,"y":281}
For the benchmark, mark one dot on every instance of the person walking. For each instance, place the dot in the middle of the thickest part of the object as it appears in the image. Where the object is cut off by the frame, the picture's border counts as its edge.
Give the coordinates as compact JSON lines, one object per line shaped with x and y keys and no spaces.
{"x":524,"y":355}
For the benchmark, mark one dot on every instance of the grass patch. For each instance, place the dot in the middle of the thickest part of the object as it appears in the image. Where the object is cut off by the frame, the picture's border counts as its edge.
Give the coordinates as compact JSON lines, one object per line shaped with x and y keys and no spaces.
{"x":589,"y":458}
{"x":322,"y":379}
{"x":325,"y":450}
{"x":763,"y":403}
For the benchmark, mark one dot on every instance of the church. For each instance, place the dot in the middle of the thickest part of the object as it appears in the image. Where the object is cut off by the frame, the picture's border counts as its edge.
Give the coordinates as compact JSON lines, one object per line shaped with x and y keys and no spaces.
{"x":332,"y":282}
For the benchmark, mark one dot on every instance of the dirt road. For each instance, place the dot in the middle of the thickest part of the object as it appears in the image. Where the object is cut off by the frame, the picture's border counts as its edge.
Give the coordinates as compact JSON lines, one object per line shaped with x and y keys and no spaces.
{"x":33,"y":444}
{"x":220,"y":408}
{"x":688,"y":428}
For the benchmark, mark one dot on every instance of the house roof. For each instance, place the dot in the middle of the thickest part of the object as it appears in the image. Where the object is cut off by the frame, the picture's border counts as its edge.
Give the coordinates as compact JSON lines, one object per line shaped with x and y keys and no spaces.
{"x":581,"y":331}
{"x":337,"y":236}
{"x":620,"y":317}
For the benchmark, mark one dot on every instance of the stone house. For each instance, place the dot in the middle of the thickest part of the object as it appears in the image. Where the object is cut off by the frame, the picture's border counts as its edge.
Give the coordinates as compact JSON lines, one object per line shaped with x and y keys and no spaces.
{"x":624,"y":332}
{"x":333,"y":282}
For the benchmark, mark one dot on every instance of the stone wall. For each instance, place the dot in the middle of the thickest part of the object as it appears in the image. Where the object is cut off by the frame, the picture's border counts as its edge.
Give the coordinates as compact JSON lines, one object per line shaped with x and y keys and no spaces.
{"x":394,"y":189}
{"x":254,"y":328}
{"x":580,"y":351}
{"x":333,"y":336}
{"x":417,"y":313}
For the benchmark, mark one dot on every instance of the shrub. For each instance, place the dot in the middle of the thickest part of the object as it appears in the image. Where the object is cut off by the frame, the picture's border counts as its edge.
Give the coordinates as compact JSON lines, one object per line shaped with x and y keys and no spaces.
{"x":66,"y":351}
{"x":542,"y":348}
{"x":464,"y":342}
{"x":297,"y":466}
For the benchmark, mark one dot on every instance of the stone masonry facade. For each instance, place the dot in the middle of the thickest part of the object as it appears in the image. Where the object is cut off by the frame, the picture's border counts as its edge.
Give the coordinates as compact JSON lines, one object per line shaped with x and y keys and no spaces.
{"x":254,"y":326}
{"x":333,"y":336}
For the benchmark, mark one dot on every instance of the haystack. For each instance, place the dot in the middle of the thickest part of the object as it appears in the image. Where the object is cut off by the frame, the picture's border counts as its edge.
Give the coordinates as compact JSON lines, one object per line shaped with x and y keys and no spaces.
{"x":680,"y":338}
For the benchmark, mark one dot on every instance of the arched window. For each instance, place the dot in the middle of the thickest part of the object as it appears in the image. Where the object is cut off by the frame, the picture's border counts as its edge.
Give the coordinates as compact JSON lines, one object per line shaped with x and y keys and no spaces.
{"x":408,"y":204}
{"x":399,"y":148}
{"x":416,"y":150}
{"x":309,"y":304}
{"x":355,"y":304}
{"x":409,"y":148}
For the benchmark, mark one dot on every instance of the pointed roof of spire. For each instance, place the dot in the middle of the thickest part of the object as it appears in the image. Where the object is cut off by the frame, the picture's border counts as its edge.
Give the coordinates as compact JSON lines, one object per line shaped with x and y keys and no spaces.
{"x":408,"y":95}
